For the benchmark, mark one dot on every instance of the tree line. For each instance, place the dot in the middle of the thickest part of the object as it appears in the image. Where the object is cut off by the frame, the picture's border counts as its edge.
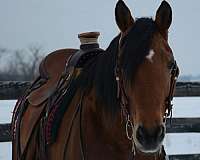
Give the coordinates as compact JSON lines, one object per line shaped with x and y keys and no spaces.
{"x":20,"y":65}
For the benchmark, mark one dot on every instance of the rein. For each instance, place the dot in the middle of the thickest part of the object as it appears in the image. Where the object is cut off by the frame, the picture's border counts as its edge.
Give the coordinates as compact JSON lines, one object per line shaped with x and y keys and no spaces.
{"x":124,"y":101}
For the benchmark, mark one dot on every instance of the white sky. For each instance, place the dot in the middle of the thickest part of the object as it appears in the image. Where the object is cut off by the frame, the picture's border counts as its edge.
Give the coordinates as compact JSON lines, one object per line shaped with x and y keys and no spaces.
{"x":55,"y":24}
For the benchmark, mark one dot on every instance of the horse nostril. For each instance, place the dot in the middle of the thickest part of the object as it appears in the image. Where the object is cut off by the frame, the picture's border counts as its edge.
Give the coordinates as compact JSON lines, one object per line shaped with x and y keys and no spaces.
{"x":161,"y":132}
{"x":140,"y":134}
{"x":149,"y":136}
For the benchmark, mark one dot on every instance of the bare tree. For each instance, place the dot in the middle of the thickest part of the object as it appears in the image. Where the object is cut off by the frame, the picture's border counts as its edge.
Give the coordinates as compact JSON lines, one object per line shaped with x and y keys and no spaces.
{"x":2,"y":51}
{"x":23,"y":64}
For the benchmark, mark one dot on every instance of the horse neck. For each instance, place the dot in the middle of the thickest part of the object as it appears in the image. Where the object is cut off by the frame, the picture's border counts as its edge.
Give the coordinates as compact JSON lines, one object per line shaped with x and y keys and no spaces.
{"x":103,"y":131}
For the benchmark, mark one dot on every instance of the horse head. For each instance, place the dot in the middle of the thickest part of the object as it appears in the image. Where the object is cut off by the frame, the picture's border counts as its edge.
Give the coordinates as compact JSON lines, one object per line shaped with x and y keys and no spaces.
{"x":144,"y":69}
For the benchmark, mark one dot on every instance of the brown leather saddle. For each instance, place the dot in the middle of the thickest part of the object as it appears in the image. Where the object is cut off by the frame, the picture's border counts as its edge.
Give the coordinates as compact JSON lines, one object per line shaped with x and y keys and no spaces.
{"x":50,"y":71}
{"x":28,"y":109}
{"x":56,"y":65}
{"x":61,"y":62}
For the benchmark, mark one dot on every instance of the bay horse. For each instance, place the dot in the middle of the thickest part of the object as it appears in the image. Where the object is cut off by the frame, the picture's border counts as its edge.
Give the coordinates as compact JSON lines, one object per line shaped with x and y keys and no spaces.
{"x":114,"y":107}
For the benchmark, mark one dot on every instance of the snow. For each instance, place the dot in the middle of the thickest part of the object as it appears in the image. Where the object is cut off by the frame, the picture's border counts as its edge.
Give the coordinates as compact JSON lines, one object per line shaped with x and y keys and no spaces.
{"x":5,"y":151}
{"x":186,"y":107}
{"x":181,"y":143}
{"x":6,"y":108}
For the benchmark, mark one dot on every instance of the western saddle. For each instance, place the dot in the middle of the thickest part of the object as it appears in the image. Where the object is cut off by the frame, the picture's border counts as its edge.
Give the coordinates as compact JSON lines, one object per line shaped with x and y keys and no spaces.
{"x":62,"y":62}
{"x":55,"y":73}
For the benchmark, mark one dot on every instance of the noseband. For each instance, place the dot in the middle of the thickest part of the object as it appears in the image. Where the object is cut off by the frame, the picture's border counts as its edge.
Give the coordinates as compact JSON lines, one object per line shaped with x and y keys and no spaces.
{"x":124,"y":101}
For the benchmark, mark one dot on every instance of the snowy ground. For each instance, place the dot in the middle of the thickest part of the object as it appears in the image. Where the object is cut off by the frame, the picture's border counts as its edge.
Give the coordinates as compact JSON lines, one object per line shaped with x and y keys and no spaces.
{"x":181,"y":143}
{"x":5,"y":151}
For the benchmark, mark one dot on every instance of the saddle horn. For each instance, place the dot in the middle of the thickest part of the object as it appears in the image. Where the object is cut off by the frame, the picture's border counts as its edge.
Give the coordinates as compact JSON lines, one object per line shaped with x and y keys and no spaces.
{"x":88,"y":37}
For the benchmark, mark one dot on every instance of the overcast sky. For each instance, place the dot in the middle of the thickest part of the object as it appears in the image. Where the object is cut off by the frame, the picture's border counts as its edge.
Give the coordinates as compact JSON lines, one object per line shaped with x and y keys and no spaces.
{"x":54,"y":24}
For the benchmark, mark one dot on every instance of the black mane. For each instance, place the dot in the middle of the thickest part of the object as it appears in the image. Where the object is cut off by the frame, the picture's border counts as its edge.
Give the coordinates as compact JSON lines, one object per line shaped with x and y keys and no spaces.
{"x":100,"y":73}
{"x":136,"y":46}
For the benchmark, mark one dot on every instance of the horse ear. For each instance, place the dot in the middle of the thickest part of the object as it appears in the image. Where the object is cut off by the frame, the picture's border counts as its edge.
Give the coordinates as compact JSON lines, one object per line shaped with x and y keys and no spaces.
{"x":164,"y":17}
{"x":123,"y":16}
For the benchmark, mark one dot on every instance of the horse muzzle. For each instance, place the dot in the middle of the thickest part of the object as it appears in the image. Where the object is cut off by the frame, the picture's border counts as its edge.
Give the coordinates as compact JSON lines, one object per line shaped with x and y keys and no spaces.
{"x":149,"y":140}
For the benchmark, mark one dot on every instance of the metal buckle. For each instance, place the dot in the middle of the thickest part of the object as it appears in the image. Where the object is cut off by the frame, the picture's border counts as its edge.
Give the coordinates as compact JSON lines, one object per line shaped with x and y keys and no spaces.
{"x":129,"y":125}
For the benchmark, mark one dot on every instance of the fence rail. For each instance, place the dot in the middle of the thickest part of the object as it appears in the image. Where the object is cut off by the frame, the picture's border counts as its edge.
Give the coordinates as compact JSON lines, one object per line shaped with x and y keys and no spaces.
{"x":175,"y":125}
{"x":13,"y":90}
{"x":5,"y":132}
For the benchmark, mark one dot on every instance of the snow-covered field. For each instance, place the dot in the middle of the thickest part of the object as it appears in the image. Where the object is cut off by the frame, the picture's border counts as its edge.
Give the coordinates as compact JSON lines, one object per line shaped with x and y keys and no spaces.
{"x":181,"y":143}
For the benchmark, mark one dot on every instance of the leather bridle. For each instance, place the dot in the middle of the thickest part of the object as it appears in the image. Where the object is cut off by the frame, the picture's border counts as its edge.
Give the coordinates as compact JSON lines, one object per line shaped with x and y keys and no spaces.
{"x":168,"y":100}
{"x":124,"y":100}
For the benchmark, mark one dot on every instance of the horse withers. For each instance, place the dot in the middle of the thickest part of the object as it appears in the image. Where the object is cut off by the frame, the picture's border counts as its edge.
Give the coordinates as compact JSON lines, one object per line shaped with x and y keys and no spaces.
{"x":111,"y":105}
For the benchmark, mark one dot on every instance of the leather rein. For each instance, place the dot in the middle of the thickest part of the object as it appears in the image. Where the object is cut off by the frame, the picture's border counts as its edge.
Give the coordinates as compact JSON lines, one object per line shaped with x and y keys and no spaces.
{"x":124,"y":100}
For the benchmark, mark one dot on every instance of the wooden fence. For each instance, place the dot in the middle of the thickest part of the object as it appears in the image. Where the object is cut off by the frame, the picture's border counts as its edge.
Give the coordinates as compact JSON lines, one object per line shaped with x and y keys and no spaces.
{"x":13,"y":90}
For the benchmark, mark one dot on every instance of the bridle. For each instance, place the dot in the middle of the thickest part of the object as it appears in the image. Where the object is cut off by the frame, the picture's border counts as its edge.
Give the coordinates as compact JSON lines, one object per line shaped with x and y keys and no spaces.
{"x":168,"y":100}
{"x":124,"y":100}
